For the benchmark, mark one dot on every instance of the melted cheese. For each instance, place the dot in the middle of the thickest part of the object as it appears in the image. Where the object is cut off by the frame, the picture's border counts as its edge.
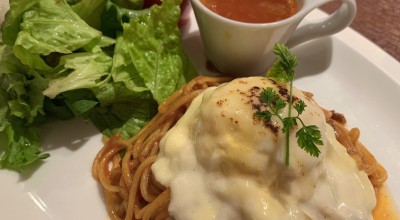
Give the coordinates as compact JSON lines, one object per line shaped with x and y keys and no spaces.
{"x":222,"y":163}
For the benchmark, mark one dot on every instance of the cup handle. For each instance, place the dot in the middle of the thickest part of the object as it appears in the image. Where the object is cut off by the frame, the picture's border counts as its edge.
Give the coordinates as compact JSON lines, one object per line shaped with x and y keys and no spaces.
{"x":334,"y":23}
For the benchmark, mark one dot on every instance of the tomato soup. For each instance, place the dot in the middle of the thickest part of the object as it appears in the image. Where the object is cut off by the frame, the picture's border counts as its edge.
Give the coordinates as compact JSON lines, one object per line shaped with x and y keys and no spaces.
{"x":253,"y":11}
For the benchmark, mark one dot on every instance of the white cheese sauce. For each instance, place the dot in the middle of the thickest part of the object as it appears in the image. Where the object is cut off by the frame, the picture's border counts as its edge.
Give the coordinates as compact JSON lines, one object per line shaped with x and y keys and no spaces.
{"x":221,"y":162}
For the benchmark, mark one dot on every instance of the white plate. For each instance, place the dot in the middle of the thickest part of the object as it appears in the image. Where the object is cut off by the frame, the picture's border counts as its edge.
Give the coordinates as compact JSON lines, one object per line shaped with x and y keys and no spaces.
{"x":345,"y":72}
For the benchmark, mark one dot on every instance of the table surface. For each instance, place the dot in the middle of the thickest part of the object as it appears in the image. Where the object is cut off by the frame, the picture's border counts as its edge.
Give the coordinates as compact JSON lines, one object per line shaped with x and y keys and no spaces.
{"x":379,"y":21}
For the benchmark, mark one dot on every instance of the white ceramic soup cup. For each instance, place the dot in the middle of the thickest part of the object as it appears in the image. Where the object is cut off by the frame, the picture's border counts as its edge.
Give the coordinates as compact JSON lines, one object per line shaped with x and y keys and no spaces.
{"x":244,"y":49}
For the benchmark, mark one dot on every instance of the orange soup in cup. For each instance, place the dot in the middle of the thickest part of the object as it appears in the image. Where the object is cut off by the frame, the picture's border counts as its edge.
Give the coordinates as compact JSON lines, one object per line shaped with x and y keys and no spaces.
{"x":253,"y":11}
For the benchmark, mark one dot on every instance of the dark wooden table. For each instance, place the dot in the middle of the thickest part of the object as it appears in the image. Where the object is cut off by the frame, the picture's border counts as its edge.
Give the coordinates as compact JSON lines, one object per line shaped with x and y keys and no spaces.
{"x":379,"y":21}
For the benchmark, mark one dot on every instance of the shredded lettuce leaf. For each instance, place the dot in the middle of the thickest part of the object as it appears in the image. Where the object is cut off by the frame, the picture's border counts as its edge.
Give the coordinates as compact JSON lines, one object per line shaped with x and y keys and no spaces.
{"x":107,"y":61}
{"x":93,"y":16}
{"x":43,"y":27}
{"x":153,"y":42}
{"x":21,"y":108}
{"x":89,"y":70}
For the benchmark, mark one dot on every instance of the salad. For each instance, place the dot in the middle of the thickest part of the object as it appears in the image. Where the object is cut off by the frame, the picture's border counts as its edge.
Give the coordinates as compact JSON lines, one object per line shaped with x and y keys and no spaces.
{"x":111,"y":62}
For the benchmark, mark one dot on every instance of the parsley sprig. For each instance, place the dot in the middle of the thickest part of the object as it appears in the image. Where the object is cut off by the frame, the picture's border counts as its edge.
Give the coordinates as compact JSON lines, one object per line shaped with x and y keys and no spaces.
{"x":282,"y":72}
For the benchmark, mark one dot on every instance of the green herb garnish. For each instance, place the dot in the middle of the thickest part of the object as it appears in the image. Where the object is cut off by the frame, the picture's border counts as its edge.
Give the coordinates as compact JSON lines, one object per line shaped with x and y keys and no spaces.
{"x":282,"y":71}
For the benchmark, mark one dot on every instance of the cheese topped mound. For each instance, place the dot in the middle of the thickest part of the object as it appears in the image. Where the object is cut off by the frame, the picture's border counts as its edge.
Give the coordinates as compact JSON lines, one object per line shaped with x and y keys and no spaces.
{"x":222,"y":162}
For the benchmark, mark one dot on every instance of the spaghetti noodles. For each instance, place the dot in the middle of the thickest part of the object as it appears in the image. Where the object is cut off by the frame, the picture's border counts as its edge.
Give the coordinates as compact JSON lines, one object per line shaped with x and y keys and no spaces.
{"x":123,"y":166}
{"x":130,"y":189}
